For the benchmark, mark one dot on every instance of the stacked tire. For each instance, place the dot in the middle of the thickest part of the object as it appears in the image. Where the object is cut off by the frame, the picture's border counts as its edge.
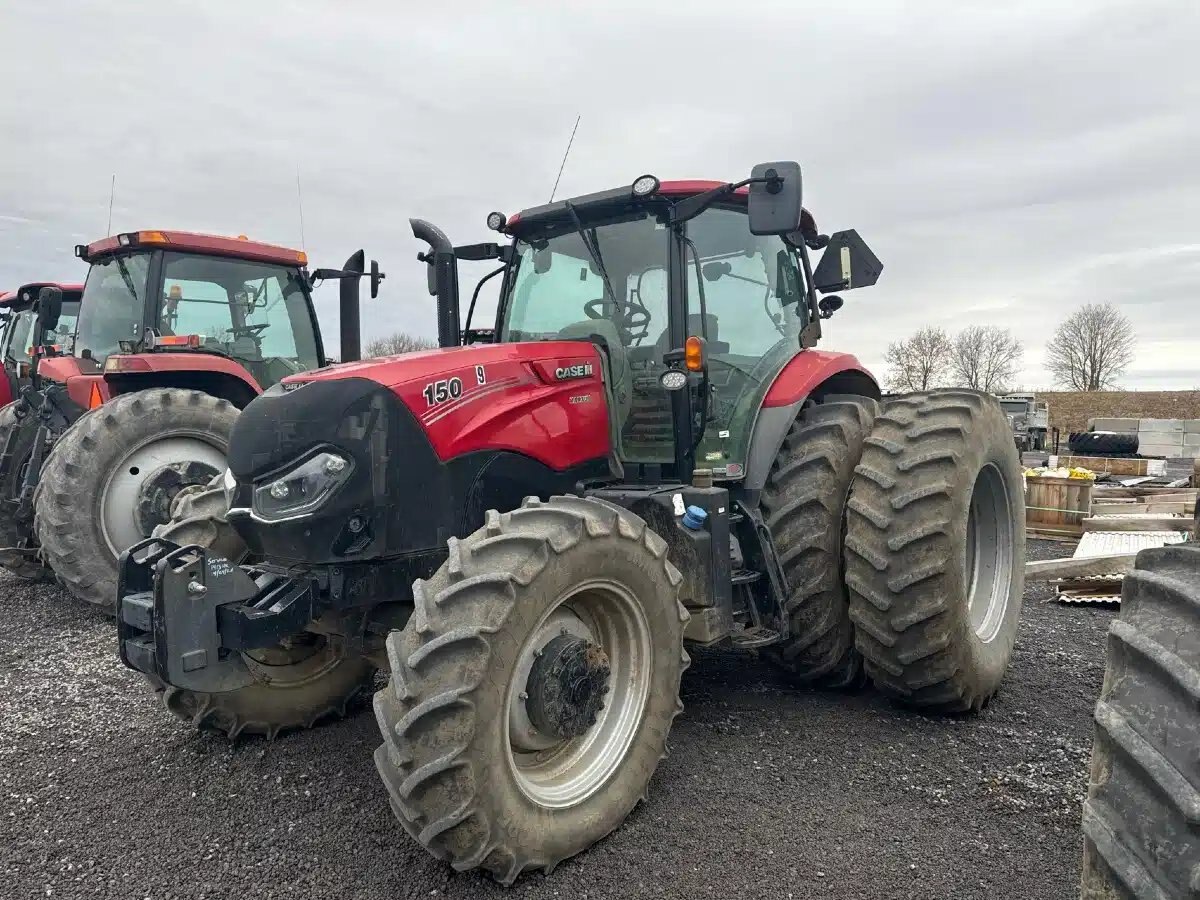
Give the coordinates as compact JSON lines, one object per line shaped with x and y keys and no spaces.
{"x":1103,"y":443}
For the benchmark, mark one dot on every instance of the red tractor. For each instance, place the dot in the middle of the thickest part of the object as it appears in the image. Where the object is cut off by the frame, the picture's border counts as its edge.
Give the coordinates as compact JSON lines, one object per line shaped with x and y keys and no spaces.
{"x":23,"y":350}
{"x":17,"y":340}
{"x":525,"y":533}
{"x":177,"y":332}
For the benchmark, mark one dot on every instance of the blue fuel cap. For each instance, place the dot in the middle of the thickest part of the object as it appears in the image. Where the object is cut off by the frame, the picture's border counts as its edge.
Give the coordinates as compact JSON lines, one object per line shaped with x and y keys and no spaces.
{"x":694,"y":518}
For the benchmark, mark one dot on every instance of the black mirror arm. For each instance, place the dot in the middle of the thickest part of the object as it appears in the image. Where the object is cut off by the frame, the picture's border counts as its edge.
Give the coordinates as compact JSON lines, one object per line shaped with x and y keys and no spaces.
{"x":691,"y":207}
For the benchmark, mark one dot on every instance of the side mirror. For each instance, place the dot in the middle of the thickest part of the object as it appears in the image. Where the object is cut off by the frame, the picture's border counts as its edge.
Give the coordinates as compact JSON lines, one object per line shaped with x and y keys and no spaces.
{"x":49,"y":311}
{"x":847,"y":263}
{"x":829,"y":305}
{"x":775,"y":202}
{"x":714,"y":270}
{"x":376,"y":278}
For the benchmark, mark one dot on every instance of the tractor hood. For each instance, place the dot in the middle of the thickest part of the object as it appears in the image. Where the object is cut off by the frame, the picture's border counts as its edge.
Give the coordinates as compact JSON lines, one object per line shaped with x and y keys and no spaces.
{"x":386,"y":457}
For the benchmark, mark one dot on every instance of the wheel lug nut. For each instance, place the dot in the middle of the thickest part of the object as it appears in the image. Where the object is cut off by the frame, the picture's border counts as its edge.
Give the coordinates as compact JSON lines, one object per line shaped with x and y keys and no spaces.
{"x":523,"y":695}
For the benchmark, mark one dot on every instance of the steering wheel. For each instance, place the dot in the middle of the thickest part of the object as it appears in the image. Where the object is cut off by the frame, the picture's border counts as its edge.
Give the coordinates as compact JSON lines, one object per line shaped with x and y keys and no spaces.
{"x":252,"y":330}
{"x":626,"y":316}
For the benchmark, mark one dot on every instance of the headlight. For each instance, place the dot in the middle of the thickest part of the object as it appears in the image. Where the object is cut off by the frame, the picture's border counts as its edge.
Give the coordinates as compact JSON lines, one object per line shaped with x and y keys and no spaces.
{"x":302,"y":489}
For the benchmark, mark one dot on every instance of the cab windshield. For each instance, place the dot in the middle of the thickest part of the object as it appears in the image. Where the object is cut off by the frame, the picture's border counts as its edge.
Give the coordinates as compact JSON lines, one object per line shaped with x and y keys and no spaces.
{"x":113,"y":305}
{"x":19,"y":334}
{"x":256,"y":313}
{"x":745,"y":297}
{"x":252,"y":312}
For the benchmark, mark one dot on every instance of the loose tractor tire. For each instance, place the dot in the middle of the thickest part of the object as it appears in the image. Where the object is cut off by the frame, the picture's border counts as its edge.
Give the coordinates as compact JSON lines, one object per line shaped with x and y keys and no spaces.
{"x":534,"y":686}
{"x":935,"y":544}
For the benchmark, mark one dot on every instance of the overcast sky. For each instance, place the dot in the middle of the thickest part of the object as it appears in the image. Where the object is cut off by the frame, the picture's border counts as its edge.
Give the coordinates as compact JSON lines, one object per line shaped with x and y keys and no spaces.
{"x":1007,"y":162}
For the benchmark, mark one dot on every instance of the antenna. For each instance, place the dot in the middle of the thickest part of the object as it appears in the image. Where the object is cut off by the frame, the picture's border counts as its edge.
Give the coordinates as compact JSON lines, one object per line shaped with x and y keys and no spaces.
{"x":300,"y":203}
{"x":112,"y":190}
{"x":554,"y":189}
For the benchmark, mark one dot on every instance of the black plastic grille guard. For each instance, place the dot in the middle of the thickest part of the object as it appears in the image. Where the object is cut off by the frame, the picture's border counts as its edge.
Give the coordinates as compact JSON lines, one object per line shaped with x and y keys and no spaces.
{"x":183,"y":616}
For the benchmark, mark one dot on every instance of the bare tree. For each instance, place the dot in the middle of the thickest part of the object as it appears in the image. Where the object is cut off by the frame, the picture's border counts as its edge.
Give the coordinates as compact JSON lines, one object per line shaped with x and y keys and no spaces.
{"x":918,"y":362}
{"x":400,"y":342}
{"x":1091,"y":349}
{"x":986,"y":358}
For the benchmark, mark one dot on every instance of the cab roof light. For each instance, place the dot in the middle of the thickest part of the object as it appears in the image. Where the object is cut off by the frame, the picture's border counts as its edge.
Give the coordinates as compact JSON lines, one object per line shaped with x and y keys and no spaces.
{"x":179,"y":340}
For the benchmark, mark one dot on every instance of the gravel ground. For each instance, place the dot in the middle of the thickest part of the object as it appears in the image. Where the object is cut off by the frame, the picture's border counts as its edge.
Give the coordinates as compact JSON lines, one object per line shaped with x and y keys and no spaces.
{"x":768,"y":791}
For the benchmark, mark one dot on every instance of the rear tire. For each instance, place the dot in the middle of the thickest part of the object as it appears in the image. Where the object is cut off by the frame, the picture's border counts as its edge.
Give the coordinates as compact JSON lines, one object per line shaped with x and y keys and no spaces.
{"x":935,"y":549}
{"x":804,"y":503}
{"x":460,"y":758}
{"x":74,"y":512}
{"x":25,"y":564}
{"x":1141,"y":819}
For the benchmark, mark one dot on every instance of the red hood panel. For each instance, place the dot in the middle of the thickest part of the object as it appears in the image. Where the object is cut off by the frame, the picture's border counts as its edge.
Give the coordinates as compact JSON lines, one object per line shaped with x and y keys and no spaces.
{"x":543,"y":399}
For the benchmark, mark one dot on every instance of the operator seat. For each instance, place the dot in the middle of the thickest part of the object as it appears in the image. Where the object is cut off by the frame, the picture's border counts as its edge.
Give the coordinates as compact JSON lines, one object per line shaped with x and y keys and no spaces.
{"x":619,"y":375}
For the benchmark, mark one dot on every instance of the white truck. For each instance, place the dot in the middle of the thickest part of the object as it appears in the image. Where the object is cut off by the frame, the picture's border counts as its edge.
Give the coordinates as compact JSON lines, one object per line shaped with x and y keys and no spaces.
{"x":1029,"y":418}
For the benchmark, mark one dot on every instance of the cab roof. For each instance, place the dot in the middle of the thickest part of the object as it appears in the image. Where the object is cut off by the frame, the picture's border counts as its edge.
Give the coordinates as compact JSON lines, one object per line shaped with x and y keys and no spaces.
{"x":617,"y":198}
{"x":240,"y":247}
{"x":27,"y":293}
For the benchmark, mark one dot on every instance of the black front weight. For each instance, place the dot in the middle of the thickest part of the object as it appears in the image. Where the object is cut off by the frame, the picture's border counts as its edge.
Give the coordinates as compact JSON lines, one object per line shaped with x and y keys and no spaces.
{"x":182,"y":615}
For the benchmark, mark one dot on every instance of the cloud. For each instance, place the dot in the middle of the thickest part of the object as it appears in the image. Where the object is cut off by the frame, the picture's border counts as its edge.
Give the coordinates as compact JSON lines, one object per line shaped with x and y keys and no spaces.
{"x":1007,"y":163}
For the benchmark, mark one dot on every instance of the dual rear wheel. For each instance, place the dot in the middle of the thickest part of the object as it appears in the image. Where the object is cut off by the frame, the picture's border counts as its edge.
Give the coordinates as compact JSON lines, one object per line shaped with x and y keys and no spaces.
{"x":901,"y":533}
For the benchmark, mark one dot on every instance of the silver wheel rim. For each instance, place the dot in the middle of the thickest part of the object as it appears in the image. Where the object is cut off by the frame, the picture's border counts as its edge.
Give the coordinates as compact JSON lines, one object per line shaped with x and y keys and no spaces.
{"x":118,"y":500}
{"x":989,"y":563}
{"x":559,"y":774}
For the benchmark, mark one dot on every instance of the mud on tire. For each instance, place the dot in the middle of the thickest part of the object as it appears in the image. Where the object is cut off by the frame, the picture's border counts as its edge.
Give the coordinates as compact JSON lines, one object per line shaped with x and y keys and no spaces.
{"x":290,"y":693}
{"x":448,"y":715}
{"x":71,"y":493}
{"x":803,"y":504}
{"x":935,"y":544}
{"x":1141,"y":819}
{"x":22,"y":564}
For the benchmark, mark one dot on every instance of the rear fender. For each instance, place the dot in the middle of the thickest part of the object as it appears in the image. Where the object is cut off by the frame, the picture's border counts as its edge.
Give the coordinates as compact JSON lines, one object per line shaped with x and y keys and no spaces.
{"x":215,"y":375}
{"x":811,"y":375}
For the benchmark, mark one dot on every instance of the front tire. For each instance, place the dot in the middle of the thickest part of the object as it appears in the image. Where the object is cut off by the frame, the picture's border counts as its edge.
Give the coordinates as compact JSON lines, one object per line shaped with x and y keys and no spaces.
{"x":935,"y":549}
{"x":22,"y":562}
{"x":497,"y":753}
{"x":109,"y":480}
{"x":311,"y":680}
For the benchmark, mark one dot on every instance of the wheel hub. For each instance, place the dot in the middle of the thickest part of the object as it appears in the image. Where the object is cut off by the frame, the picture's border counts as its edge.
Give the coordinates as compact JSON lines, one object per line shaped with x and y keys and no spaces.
{"x":566,"y":687}
{"x":160,"y":488}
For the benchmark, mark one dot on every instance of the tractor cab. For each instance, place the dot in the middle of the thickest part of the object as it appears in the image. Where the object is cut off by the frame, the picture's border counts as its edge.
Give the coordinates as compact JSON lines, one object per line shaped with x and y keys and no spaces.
{"x":151,"y":294}
{"x":19,"y":344}
{"x":699,"y":293}
{"x":178,"y":331}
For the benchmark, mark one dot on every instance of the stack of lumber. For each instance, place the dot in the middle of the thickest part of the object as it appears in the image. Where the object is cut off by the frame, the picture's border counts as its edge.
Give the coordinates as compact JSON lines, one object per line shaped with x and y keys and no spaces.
{"x":1121,"y":522}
